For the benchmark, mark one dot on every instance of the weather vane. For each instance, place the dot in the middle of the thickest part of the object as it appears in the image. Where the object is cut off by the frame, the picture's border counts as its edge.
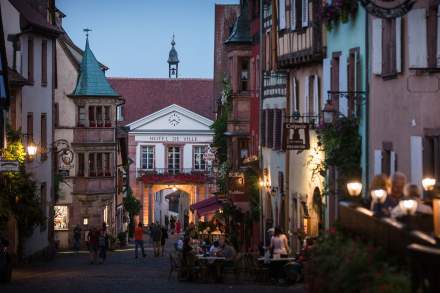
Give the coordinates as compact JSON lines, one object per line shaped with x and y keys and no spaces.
{"x":87,"y":30}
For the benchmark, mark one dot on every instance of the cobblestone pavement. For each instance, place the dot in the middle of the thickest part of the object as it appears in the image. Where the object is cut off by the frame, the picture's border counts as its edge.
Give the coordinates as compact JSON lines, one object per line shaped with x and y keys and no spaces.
{"x":121,"y":273}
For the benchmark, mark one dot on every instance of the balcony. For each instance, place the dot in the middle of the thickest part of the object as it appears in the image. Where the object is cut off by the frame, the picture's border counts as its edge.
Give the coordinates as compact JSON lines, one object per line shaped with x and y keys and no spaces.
{"x":94,"y":135}
{"x":175,"y":176}
{"x":93,"y":185}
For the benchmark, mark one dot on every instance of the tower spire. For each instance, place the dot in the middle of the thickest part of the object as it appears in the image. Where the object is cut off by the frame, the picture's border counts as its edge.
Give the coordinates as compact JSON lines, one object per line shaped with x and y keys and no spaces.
{"x":173,"y":61}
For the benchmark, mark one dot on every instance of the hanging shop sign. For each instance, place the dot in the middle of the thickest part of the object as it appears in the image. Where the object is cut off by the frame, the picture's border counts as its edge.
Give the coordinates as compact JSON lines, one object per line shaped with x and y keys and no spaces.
{"x":388,"y":8}
{"x":9,"y":166}
{"x":297,"y":136}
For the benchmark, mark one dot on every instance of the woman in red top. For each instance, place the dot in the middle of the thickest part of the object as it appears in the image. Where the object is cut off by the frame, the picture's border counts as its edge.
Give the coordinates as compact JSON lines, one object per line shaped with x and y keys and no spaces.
{"x":139,"y":240}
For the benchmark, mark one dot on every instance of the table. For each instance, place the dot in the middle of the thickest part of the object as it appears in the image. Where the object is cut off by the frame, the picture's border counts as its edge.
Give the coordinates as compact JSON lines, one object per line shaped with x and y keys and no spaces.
{"x":210,"y":258}
{"x":286,"y":259}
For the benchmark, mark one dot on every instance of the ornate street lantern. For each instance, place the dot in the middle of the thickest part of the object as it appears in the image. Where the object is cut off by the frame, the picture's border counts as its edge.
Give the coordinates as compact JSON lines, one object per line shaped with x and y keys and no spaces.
{"x":354,"y":188}
{"x":329,"y":112}
{"x":32,"y":149}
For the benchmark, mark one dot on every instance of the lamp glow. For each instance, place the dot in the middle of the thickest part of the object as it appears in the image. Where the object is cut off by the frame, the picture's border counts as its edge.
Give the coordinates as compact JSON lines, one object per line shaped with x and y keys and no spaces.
{"x":31,"y":149}
{"x":174,"y":188}
{"x":261,"y":182}
{"x":379,"y":195}
{"x":408,"y":206}
{"x":354,"y":188}
{"x":428,"y":183}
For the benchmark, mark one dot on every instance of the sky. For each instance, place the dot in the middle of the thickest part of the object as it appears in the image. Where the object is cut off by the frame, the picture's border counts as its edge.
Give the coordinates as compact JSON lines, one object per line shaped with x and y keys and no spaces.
{"x":132,"y":37}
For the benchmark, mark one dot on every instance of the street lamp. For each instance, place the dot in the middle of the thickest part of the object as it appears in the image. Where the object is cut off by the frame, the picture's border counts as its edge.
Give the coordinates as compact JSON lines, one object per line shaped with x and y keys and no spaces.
{"x":354,"y":188}
{"x":261,"y":183}
{"x":328,"y":113}
{"x":31,"y":149}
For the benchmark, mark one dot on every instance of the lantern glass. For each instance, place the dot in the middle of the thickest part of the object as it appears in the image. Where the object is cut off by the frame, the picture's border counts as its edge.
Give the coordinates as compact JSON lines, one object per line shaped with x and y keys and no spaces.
{"x":428,"y":183}
{"x":261,"y":182}
{"x":174,"y":188}
{"x":379,"y":195}
{"x":354,"y":188}
{"x":408,"y":206}
{"x":31,"y":149}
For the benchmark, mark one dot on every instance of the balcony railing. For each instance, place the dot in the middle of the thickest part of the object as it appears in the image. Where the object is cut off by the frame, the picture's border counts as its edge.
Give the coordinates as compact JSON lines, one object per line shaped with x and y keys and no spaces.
{"x":93,"y":185}
{"x":94,"y":135}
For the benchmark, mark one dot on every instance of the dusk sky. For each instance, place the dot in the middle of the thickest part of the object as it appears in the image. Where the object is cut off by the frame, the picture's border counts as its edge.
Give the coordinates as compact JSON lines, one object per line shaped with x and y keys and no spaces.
{"x":133,"y":37}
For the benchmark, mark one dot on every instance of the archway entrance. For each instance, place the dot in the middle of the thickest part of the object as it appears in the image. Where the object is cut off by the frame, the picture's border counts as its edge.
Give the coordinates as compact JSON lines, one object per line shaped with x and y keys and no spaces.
{"x":171,"y":203}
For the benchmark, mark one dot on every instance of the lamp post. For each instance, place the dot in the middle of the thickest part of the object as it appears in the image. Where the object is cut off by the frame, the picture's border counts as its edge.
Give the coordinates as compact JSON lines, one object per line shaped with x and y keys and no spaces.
{"x":429,"y":184}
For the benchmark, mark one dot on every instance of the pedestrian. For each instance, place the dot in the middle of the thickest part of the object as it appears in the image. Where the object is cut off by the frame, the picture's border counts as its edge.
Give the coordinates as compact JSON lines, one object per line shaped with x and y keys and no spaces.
{"x":163,"y":239}
{"x":156,"y":233}
{"x":93,"y":244}
{"x":172,"y":225}
{"x":139,"y":240}
{"x":178,"y":226}
{"x":77,"y":238}
{"x":103,"y":243}
{"x":279,"y":244}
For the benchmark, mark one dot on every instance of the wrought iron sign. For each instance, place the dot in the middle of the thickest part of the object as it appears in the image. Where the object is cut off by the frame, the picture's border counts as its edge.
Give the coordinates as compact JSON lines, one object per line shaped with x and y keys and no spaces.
{"x":388,"y":8}
{"x":297,"y":136}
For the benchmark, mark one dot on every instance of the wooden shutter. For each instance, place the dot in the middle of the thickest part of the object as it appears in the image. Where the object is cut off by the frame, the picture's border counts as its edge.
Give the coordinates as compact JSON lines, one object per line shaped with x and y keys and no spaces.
{"x":80,"y":171}
{"x":326,"y":80}
{"x":293,"y":105}
{"x":305,"y":13}
{"x":30,"y":127}
{"x":393,"y":163}
{"x":278,"y":129}
{"x":398,"y":44}
{"x":306,"y":95}
{"x":263,"y":128}
{"x":293,"y":20}
{"x":438,"y":36}
{"x":416,"y":159}
{"x":44,"y":63}
{"x":282,"y":14}
{"x":377,"y":162}
{"x":56,"y":114}
{"x":377,"y":46}
{"x":92,"y":168}
{"x":43,"y":133}
{"x":343,"y":105}
{"x":270,"y":125}
{"x":30,"y":59}
{"x":316,"y":102}
{"x":417,"y":38}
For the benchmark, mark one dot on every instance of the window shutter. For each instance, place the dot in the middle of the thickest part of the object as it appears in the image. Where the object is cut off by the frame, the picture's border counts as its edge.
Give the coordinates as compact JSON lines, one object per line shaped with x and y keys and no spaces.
{"x":306,"y":95}
{"x":282,"y":14}
{"x":393,"y":163}
{"x":417,"y":39}
{"x":326,"y":76}
{"x":377,"y":46}
{"x":293,"y":105}
{"x":270,"y":120}
{"x":398,"y":44}
{"x":305,"y":13}
{"x":416,"y":159}
{"x":343,"y":83}
{"x":377,"y":162}
{"x":293,"y":14}
{"x":316,"y":104}
{"x":263,"y":128}
{"x":438,"y":36}
{"x":278,"y":128}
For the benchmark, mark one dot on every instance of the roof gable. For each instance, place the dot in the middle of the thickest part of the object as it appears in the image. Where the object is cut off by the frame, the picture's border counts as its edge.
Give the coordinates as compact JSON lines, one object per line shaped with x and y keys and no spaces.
{"x":173,"y":118}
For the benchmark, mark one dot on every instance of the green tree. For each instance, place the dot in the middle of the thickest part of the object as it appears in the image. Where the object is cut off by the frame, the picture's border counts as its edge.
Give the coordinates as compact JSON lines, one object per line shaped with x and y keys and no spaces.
{"x":133,"y":206}
{"x":18,"y":193}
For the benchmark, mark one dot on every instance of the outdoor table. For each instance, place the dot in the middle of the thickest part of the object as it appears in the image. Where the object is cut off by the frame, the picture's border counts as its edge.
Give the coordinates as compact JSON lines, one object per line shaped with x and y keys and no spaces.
{"x":212,"y":258}
{"x":286,"y":259}
{"x":214,"y":262}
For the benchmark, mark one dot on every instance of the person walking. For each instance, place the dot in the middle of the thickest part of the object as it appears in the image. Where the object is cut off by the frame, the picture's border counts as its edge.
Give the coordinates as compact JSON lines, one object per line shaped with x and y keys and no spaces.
{"x":103,"y":243}
{"x":77,"y":238}
{"x":139,"y":240}
{"x":163,"y":239}
{"x":156,"y":237}
{"x":93,"y":244}
{"x":279,"y":244}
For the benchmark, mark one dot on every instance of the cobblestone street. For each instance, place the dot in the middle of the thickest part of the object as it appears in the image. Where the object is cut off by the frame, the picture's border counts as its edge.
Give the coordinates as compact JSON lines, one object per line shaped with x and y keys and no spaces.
{"x":121,"y":273}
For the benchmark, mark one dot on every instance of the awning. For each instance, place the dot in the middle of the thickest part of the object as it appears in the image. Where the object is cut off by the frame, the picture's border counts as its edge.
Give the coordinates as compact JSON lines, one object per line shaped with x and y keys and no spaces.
{"x":207,"y":206}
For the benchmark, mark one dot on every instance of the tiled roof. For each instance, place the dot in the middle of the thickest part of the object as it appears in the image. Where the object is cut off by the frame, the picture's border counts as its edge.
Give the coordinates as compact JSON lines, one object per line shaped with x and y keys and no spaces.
{"x":92,"y":80}
{"x":241,"y":33}
{"x":144,"y":96}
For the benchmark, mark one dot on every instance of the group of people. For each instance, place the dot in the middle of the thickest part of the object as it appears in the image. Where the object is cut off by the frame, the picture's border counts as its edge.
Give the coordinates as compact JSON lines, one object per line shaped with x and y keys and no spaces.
{"x":158,"y":235}
{"x":397,"y":189}
{"x":97,"y":243}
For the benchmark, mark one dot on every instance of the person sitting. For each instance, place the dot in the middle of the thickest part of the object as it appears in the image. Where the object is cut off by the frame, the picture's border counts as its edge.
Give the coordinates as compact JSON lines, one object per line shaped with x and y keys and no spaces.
{"x":382,"y":208}
{"x":215,"y":248}
{"x":227,"y":250}
{"x":412,"y":191}
{"x":398,"y":183}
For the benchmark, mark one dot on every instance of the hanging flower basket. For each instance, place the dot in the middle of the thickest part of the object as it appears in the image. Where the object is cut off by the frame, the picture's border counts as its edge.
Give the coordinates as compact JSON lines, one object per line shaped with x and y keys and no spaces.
{"x":338,"y":11}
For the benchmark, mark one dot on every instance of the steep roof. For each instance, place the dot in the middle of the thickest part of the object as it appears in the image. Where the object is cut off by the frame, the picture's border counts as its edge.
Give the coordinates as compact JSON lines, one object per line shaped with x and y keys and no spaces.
{"x":92,"y":80}
{"x":144,"y":96}
{"x":241,"y":33}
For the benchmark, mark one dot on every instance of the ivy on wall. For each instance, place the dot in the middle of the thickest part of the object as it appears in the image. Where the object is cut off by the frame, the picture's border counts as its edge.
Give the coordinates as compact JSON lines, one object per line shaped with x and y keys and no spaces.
{"x":337,"y":11}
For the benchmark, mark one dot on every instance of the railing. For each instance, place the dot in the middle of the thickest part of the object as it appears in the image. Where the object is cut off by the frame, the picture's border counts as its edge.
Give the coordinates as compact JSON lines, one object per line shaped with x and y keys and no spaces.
{"x":94,"y":135}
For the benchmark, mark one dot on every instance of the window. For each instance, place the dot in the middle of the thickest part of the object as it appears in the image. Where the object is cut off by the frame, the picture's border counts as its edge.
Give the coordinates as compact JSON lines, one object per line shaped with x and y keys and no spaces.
{"x":92,"y":119}
{"x":432,"y":34}
{"x":263,"y":128}
{"x":56,"y":112}
{"x":299,"y":14}
{"x":92,"y":170}
{"x":43,"y":138}
{"x":431,"y":156}
{"x":81,"y":116}
{"x":30,"y":60}
{"x":243,"y":148}
{"x":389,"y":46}
{"x":278,"y":137}
{"x":244,"y":74}
{"x":30,"y":127}
{"x":311,"y":97}
{"x":147,"y":157}
{"x":107,"y":121}
{"x":99,"y":118}
{"x":282,"y":14}
{"x":80,"y":169}
{"x":107,"y":170}
{"x":353,"y":80}
{"x":44,"y":63}
{"x":99,"y":165}
{"x":174,"y":160}
{"x":334,"y":78}
{"x":120,"y":113}
{"x":199,"y":161}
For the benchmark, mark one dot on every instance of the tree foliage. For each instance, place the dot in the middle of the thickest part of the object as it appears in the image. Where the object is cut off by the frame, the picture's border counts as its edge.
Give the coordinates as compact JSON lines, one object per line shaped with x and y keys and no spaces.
{"x":133,"y":206}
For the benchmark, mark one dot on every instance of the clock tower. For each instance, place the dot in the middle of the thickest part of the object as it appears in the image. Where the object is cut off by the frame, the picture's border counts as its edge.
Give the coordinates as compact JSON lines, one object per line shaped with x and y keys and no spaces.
{"x":173,"y":61}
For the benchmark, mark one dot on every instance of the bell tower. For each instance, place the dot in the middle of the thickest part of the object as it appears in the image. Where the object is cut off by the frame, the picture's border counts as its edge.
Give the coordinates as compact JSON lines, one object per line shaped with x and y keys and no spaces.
{"x":173,"y":61}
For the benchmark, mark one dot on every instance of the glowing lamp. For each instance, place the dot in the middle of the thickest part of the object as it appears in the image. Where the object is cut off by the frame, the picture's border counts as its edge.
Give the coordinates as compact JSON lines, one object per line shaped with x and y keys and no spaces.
{"x":379,"y":195}
{"x":354,"y":188}
{"x":428,"y":183}
{"x":408,"y":206}
{"x":31,"y":149}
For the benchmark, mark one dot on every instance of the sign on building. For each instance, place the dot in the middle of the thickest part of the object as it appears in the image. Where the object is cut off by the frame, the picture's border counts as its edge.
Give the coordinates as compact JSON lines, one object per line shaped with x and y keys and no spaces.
{"x":9,"y":166}
{"x":297,"y":136}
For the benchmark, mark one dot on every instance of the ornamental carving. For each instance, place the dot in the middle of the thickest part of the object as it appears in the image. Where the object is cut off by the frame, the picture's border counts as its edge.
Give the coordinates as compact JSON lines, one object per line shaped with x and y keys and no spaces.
{"x":388,"y":8}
